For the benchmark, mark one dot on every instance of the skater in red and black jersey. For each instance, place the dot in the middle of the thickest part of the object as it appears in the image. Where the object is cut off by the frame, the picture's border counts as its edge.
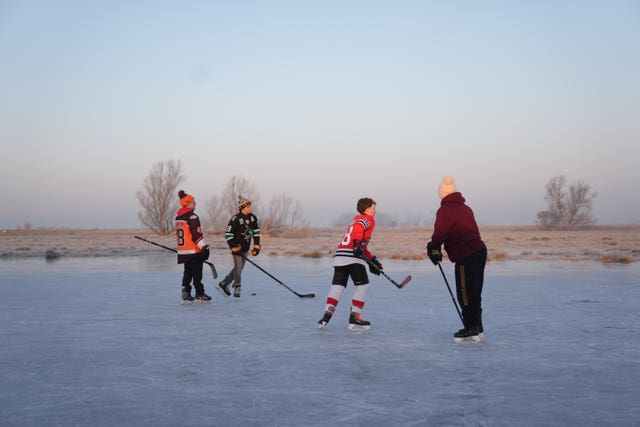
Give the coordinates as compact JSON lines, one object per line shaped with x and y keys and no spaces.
{"x":456,"y":227}
{"x":193,"y":250}
{"x":349,"y":262}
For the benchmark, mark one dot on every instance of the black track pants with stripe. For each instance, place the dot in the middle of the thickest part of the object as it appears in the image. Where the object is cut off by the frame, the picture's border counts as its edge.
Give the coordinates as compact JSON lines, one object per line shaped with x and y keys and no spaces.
{"x":469,"y":282}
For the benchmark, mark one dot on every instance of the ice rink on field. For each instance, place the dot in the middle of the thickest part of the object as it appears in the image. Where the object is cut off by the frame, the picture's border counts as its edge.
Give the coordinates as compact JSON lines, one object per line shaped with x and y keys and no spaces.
{"x":105,"y":342}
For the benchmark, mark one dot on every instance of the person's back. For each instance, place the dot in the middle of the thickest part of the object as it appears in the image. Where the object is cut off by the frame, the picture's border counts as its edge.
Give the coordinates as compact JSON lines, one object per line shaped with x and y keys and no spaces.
{"x":456,"y":227}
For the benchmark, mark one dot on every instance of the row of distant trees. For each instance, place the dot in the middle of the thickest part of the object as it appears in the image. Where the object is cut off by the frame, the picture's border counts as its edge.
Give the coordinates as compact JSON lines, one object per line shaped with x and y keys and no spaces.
{"x":568,"y":205}
{"x":159,"y":201}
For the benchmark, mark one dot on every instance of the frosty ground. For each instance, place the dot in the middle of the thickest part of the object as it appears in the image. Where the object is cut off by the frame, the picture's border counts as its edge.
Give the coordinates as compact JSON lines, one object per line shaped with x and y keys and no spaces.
{"x":104,"y":341}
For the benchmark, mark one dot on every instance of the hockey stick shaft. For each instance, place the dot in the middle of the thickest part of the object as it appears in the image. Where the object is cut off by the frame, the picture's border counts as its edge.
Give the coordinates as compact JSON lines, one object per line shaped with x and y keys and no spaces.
{"x":451,"y":293}
{"x":274,"y":278}
{"x":210,"y":264}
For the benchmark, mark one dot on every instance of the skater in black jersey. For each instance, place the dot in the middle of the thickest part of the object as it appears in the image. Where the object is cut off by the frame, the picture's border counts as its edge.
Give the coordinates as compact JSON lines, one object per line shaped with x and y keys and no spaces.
{"x":242,"y":228}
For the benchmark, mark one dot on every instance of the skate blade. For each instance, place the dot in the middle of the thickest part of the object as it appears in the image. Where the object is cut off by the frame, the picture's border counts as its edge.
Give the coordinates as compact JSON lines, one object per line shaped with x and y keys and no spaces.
{"x":470,"y":340}
{"x":184,"y":302}
{"x":353,"y":327}
{"x":222,"y":292}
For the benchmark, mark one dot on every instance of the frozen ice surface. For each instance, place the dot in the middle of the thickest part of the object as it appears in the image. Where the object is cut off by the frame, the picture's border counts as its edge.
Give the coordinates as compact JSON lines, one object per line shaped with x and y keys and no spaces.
{"x":104,"y":342}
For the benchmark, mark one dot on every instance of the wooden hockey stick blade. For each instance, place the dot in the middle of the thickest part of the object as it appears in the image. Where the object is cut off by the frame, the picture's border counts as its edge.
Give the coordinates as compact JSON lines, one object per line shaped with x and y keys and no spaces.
{"x":213,"y":269}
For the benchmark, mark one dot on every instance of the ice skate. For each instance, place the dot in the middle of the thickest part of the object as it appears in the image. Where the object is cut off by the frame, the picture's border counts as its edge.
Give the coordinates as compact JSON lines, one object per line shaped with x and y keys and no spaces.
{"x":203,"y":297}
{"x":236,"y":292}
{"x":186,"y":297}
{"x":326,"y":317}
{"x":471,"y":335}
{"x":224,"y":289}
{"x":356,"y":323}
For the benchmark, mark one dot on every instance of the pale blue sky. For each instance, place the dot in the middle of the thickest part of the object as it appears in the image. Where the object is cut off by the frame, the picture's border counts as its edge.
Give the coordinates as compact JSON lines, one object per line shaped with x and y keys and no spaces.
{"x":323,"y":101}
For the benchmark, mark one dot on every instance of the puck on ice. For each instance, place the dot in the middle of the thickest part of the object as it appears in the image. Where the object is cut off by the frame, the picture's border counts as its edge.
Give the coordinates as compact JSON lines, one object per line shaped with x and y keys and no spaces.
{"x":253,"y":294}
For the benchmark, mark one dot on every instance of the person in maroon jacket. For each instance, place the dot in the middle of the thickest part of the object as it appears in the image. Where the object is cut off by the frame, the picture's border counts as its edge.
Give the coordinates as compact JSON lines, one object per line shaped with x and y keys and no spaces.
{"x":456,"y":227}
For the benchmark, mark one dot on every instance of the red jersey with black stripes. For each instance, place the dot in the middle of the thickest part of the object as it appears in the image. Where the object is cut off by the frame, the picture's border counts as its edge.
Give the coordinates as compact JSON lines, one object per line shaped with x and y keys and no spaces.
{"x":359,"y":230}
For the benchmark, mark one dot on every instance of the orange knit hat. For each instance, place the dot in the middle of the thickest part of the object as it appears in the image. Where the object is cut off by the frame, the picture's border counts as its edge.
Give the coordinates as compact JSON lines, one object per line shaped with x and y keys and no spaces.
{"x":185,"y":198}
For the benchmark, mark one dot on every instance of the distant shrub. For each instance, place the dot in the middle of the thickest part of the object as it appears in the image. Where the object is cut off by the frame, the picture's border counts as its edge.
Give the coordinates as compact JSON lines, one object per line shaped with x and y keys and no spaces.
{"x":616,"y":259}
{"x":499,"y":256}
{"x":314,"y":254}
{"x":405,"y":257}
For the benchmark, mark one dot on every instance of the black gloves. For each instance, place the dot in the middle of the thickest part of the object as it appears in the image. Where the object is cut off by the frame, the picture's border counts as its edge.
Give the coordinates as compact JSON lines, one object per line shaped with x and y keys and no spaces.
{"x":206,"y":252}
{"x":256,"y":250}
{"x":434,"y":253}
{"x":376,"y":263}
{"x":357,"y":250}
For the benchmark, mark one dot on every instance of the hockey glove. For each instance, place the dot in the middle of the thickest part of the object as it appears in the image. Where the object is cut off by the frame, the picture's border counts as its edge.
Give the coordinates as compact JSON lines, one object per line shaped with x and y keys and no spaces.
{"x":205,"y":252}
{"x":357,"y":250}
{"x":376,"y":268}
{"x":236,"y":250}
{"x":256,"y":250}
{"x":434,"y":253}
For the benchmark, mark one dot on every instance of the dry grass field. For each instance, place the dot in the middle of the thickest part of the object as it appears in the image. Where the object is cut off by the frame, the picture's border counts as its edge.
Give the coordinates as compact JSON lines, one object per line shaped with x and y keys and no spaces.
{"x":605,"y":244}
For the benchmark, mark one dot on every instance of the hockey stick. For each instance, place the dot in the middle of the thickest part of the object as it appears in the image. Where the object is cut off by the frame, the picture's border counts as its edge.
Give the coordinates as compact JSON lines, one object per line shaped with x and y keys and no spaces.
{"x":451,"y":293}
{"x":371,"y":263}
{"x":210,"y":264}
{"x":269,"y":274}
{"x":398,"y":285}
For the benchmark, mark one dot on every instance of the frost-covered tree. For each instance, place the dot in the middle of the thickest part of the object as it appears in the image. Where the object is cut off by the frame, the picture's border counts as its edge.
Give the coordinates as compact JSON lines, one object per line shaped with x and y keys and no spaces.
{"x":567,"y":207}
{"x":159,"y":196}
{"x":283,"y":213}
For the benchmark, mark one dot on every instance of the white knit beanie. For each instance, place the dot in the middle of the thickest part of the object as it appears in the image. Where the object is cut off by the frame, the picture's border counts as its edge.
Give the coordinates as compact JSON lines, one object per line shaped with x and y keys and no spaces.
{"x":447,"y":186}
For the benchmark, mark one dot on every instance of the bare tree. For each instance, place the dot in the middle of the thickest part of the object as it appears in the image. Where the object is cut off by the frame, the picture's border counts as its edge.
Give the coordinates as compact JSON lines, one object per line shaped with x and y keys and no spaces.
{"x":284,"y":214}
{"x":237,"y":186}
{"x":213,"y":208}
{"x":570,"y":208}
{"x":159,"y":198}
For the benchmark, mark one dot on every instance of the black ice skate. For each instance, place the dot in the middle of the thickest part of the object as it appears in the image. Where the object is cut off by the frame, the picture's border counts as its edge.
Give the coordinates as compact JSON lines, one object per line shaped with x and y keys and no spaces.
{"x":236,"y":292}
{"x":470,"y":335}
{"x":203,"y":297}
{"x":356,"y":323}
{"x":223,"y":288}
{"x":186,"y":297}
{"x":326,"y":317}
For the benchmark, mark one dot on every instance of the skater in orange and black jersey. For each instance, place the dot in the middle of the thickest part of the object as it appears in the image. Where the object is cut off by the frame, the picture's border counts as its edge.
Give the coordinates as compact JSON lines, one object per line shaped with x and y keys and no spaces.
{"x":193,"y":250}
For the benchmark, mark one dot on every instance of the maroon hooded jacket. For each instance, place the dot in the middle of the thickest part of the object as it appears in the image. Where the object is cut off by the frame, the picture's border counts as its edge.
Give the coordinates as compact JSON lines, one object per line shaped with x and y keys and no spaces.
{"x":456,"y":227}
